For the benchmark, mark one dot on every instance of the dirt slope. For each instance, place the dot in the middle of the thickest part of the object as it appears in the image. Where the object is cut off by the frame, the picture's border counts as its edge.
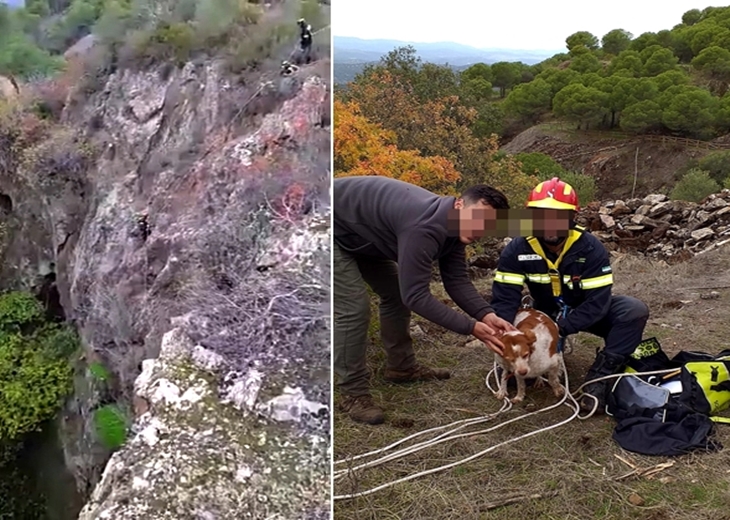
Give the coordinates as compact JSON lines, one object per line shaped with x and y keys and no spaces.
{"x":611,"y":158}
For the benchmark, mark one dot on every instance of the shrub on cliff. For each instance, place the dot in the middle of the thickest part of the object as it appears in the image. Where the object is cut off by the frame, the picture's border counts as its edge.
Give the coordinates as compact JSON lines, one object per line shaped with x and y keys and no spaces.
{"x":19,"y":55}
{"x":35,"y":373}
{"x":18,"y":131}
{"x":62,"y":155}
{"x":180,"y":30}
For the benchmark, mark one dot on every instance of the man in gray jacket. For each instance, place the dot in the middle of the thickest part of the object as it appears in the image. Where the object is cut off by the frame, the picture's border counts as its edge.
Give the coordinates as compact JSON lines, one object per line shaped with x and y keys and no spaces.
{"x":387,"y":235}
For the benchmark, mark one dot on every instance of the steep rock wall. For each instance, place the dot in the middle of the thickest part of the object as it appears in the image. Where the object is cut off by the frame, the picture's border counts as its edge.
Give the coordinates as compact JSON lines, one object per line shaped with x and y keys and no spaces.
{"x":201,"y":190}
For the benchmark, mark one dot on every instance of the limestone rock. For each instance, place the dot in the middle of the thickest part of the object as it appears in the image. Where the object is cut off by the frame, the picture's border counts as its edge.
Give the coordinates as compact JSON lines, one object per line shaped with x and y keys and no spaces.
{"x":607,"y":221}
{"x":655,"y":198}
{"x":619,"y":209}
{"x":191,"y":456}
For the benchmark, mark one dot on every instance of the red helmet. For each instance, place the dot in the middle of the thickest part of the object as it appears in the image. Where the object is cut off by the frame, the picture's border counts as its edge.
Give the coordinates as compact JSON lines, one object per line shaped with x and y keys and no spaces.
{"x":553,"y":194}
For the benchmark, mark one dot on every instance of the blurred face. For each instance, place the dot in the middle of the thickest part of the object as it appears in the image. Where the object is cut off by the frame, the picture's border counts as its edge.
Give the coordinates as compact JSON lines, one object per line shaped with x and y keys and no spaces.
{"x":473,"y":221}
{"x":551,"y":225}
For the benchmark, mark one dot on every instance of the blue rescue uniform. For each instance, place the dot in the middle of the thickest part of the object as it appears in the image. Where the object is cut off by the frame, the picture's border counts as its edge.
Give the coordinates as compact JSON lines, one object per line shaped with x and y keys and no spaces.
{"x":581,"y":278}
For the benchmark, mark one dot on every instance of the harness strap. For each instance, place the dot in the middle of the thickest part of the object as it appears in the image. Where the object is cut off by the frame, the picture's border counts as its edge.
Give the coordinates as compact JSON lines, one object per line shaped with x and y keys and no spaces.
{"x":718,"y":419}
{"x":573,"y":236}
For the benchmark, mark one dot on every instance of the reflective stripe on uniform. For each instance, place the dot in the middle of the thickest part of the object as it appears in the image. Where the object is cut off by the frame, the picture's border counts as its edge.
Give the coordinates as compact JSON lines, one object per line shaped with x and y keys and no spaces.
{"x":510,"y":278}
{"x":567,"y":282}
{"x":598,"y":281}
{"x":538,"y":278}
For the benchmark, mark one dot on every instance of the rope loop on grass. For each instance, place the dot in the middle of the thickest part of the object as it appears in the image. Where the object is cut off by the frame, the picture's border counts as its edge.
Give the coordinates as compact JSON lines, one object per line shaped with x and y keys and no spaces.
{"x":568,"y":400}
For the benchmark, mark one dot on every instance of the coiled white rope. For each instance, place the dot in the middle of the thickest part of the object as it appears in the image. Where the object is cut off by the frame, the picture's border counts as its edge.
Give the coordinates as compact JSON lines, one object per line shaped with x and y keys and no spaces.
{"x":568,"y":399}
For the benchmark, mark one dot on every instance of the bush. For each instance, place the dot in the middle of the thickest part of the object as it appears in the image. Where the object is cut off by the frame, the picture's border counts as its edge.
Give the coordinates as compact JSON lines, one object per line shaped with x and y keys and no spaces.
{"x":694,"y":186}
{"x":62,"y":155}
{"x":18,"y":311}
{"x":174,"y":41}
{"x":18,"y":131}
{"x":261,"y":44}
{"x":111,"y":423}
{"x":541,"y":165}
{"x":21,"y":57}
{"x":35,"y":374}
{"x":716,"y":164}
{"x":220,"y":20}
{"x":114,"y":23}
{"x":99,"y":371}
{"x":584,"y":185}
{"x":189,"y":29}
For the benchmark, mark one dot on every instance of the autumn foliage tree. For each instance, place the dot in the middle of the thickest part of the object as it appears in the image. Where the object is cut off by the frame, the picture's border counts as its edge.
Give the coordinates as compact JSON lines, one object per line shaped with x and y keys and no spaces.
{"x":440,"y":124}
{"x":364,"y":148}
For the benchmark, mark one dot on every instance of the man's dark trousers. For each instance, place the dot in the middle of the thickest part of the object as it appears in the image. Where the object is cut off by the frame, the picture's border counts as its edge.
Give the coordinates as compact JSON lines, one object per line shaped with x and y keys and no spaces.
{"x":352,"y":319}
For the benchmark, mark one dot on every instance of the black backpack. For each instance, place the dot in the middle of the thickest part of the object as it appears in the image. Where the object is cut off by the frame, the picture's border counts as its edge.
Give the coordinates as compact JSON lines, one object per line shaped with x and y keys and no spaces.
{"x":673,"y":413}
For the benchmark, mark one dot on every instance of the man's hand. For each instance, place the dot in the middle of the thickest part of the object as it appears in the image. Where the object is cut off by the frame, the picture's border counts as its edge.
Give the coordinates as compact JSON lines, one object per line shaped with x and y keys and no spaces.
{"x":488,"y":336}
{"x":497,"y":323}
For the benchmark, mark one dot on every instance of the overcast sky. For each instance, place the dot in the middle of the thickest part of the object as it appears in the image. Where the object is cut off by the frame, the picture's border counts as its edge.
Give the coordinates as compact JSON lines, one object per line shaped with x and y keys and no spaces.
{"x":507,"y":24}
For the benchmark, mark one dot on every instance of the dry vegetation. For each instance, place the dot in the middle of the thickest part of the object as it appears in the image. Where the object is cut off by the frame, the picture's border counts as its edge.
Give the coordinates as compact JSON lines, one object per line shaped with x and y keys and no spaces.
{"x":571,"y":472}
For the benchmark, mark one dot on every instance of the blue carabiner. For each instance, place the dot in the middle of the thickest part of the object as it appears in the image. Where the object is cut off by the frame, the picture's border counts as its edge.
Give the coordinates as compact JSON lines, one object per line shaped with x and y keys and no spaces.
{"x":562,"y":314}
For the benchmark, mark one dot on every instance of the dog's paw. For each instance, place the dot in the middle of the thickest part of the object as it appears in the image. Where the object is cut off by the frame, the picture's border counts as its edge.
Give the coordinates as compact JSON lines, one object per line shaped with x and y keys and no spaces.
{"x":559,"y":391}
{"x":517,"y":399}
{"x":539,"y":383}
{"x":501,"y":395}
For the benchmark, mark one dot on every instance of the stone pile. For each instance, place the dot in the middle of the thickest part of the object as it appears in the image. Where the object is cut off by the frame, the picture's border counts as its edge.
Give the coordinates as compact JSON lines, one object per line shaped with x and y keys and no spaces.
{"x":655,"y":226}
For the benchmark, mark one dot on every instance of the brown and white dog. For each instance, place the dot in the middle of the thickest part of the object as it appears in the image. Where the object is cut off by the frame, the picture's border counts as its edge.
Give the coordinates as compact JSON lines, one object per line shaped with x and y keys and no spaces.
{"x":529,"y":352}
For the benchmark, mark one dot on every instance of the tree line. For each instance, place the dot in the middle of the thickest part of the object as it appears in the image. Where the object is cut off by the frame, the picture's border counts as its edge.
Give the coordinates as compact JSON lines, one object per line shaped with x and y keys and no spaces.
{"x":441,"y":128}
{"x":429,"y":125}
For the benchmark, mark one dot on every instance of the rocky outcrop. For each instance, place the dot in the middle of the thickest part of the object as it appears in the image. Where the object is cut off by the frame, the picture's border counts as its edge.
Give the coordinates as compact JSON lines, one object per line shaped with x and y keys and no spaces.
{"x":192,"y":199}
{"x":655,"y":226}
{"x":193,"y":457}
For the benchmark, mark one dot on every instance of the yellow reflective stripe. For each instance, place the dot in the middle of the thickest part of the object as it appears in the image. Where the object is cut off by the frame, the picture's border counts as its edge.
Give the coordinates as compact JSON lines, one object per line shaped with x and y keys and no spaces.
{"x":538,"y":278}
{"x":719,"y":419}
{"x":511,"y":278}
{"x":568,"y":282}
{"x":598,"y":281}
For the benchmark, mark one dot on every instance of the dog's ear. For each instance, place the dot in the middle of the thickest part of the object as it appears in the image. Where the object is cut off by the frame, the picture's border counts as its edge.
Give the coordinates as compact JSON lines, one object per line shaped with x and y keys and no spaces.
{"x":531,"y":338}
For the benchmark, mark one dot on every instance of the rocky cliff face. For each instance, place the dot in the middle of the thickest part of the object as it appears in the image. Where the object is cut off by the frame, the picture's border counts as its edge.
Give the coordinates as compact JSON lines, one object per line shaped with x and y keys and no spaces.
{"x":195,"y":200}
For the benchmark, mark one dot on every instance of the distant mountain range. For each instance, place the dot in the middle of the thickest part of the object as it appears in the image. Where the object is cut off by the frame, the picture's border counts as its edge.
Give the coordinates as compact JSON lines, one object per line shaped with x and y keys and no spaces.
{"x":351,"y":54}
